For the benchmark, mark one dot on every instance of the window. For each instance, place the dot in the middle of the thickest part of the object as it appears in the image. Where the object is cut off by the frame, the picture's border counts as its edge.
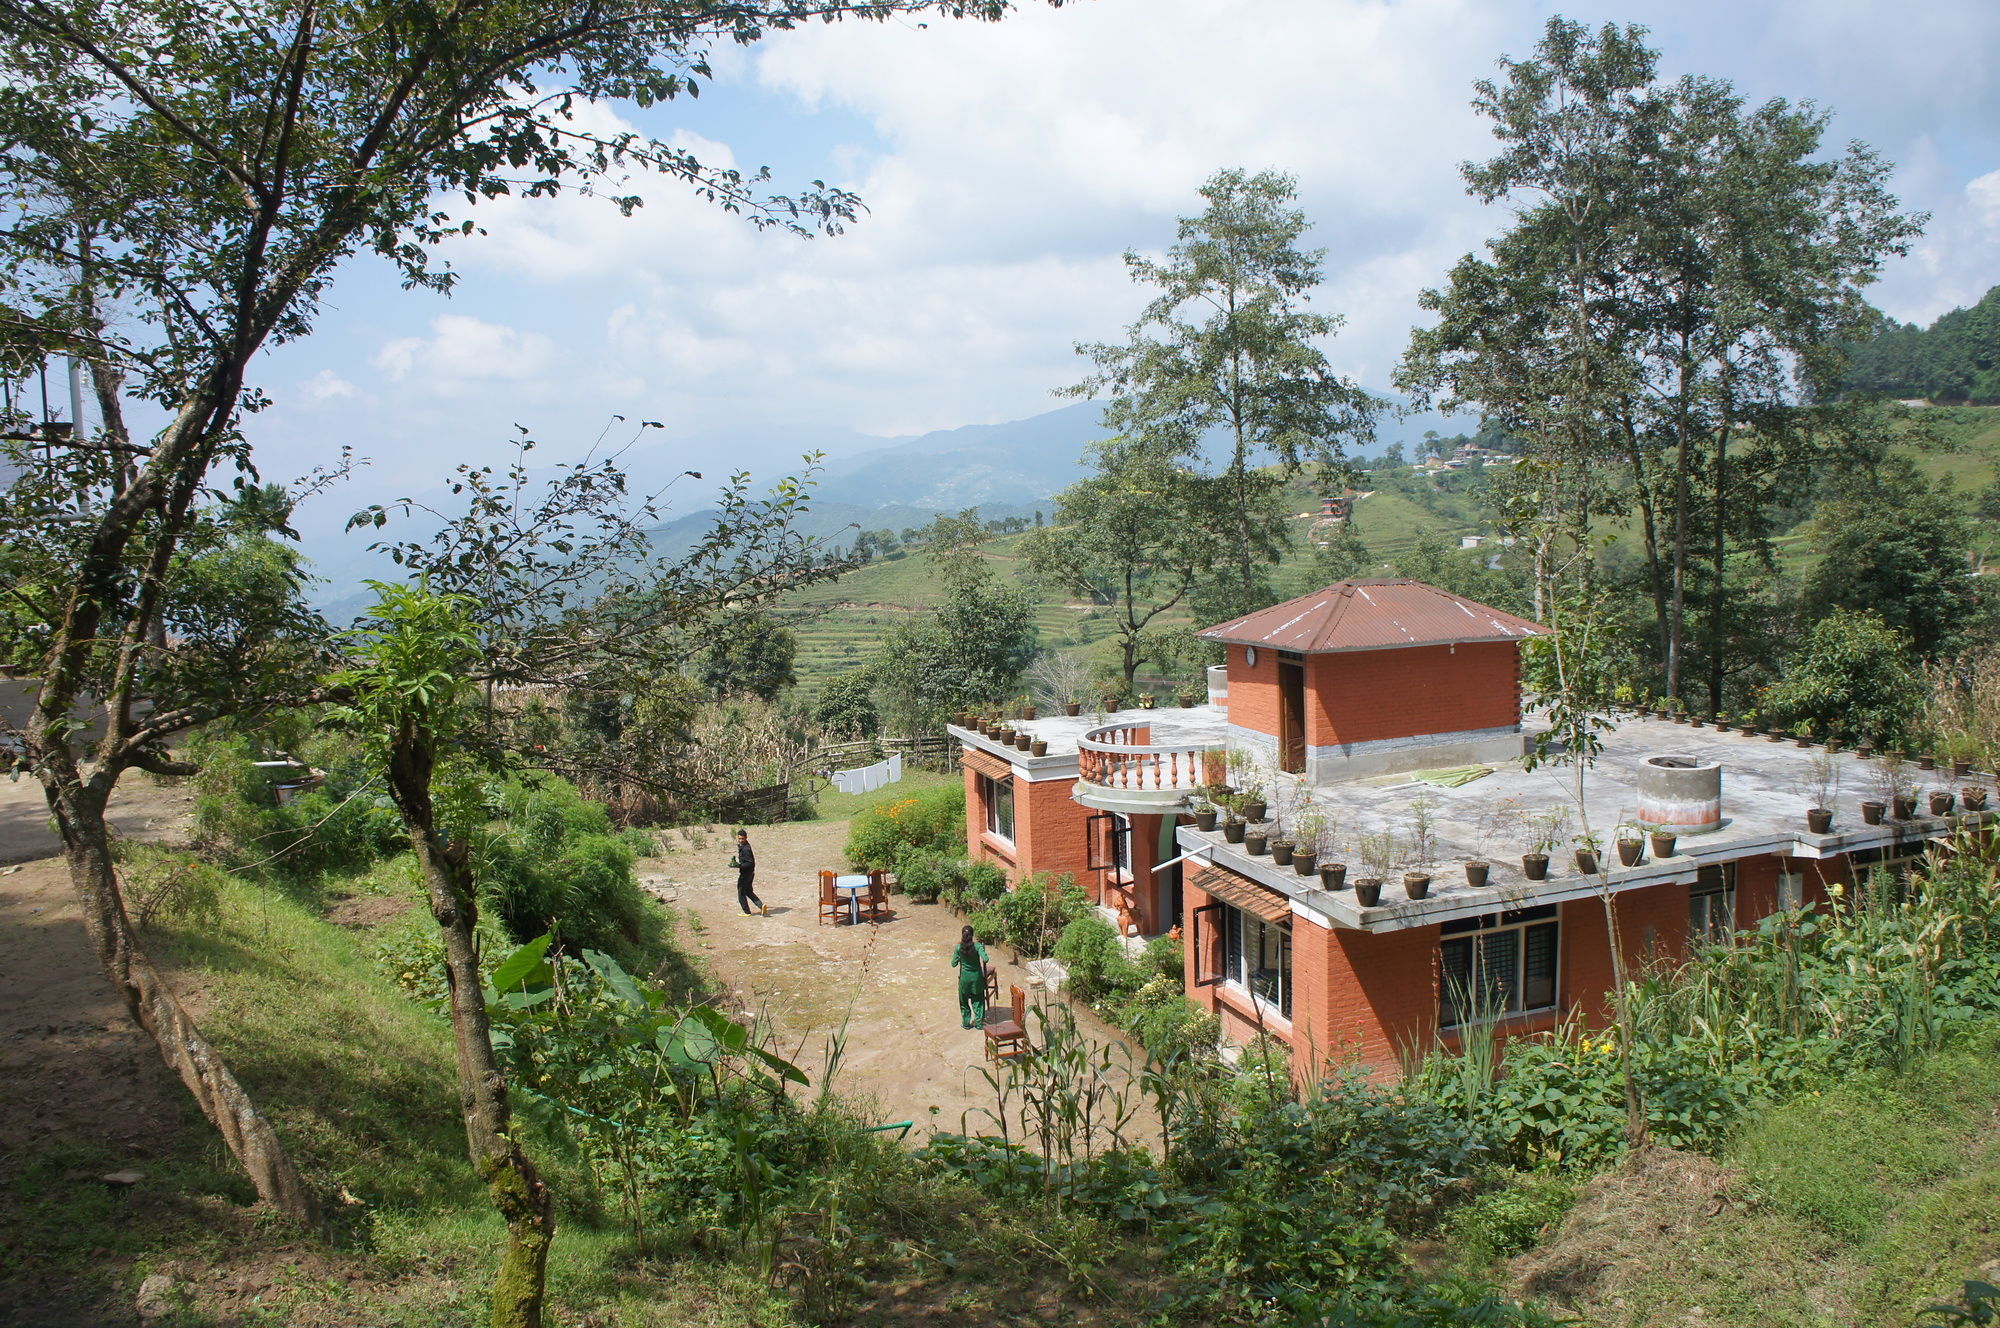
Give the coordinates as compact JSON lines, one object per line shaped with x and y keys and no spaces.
{"x":1121,"y":847}
{"x":997,"y":796}
{"x":1108,"y":846}
{"x":1890,"y":866}
{"x":1498,"y":964}
{"x":1257,"y":956}
{"x":1712,"y":905}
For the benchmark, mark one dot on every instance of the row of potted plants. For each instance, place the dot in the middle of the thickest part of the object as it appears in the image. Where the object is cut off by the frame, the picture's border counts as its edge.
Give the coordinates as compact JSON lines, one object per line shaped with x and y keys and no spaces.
{"x":1959,"y":753}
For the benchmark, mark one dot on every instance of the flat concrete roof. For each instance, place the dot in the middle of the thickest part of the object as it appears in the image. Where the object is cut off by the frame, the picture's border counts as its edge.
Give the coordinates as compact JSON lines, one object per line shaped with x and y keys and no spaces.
{"x":1763,"y":811}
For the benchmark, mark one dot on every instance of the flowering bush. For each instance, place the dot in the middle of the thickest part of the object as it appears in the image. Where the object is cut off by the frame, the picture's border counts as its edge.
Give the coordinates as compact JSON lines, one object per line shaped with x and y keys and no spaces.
{"x":933,"y":820}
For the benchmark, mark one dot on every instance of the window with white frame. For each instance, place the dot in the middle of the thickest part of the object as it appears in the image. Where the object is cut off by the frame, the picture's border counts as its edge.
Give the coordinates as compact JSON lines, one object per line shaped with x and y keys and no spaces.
{"x":1257,"y":956}
{"x":997,"y":796}
{"x":1712,"y":904}
{"x":1498,"y":964}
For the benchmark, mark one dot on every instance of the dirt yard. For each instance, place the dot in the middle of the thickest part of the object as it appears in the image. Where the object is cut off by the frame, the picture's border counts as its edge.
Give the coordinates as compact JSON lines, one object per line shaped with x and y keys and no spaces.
{"x":891,"y":985}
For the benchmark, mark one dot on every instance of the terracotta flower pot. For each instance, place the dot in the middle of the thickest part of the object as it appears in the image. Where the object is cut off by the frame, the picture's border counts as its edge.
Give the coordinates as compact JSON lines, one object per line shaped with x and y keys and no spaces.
{"x":1258,"y":845}
{"x":1960,"y":769}
{"x":1038,"y":748}
{"x":1205,"y":822}
{"x":1304,"y":863}
{"x":1802,"y":742}
{"x":1871,"y":812}
{"x":1253,"y":811}
{"x":1148,"y":701}
{"x":1941,"y":803}
{"x":1535,"y":866}
{"x":1281,"y":853}
{"x":1586,"y":861}
{"x":1902,"y":808}
{"x":1022,"y":742}
{"x":1187,"y":701}
{"x":1416,"y":884}
{"x":1775,"y":737}
{"x":1233,"y":831}
{"x":1072,"y":708}
{"x":1027,"y":712}
{"x":1819,"y":820}
{"x":1973,"y":799}
{"x":1630,"y":851}
{"x":1865,"y":750}
{"x":1927,"y":762}
{"x":1475,"y":874}
{"x":1333,"y":876}
{"x":1724,"y":726}
{"x":1368,"y":892}
{"x":1663,"y":845}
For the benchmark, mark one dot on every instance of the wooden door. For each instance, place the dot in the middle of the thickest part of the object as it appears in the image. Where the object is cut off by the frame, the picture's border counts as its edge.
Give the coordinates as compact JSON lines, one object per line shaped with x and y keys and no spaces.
{"x":1291,"y":717}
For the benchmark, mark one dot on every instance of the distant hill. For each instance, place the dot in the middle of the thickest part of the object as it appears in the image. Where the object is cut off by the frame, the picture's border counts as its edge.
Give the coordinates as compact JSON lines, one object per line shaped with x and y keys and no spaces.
{"x":1955,"y":360}
{"x":1017,"y":463}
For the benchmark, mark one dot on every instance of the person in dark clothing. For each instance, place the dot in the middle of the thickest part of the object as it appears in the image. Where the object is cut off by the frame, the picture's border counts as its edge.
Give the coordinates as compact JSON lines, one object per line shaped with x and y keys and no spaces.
{"x":745,"y":863}
{"x":969,"y":958}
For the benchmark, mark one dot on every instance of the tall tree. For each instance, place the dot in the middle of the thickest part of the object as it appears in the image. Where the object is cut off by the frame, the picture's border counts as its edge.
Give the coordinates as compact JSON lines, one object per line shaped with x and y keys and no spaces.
{"x":1228,"y":350}
{"x":1136,"y":535}
{"x":1672,"y":296}
{"x":178,"y":183}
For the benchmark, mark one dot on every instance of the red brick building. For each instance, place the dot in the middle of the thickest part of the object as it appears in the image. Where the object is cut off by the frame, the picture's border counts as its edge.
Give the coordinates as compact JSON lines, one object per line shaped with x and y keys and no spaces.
{"x":1394,"y":711}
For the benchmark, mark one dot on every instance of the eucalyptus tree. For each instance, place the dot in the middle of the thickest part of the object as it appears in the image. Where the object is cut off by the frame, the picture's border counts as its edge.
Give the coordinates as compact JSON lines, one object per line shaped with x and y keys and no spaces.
{"x":1137,"y":534}
{"x":1228,"y":349}
{"x":179,"y":182}
{"x":1673,"y":296}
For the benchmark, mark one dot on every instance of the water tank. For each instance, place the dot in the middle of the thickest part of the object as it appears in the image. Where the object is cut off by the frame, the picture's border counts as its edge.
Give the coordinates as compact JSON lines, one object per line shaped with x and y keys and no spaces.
{"x":1682,"y":794}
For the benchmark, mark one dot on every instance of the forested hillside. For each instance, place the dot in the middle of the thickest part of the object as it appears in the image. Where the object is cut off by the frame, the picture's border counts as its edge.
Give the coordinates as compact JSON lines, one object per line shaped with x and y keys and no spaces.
{"x":1955,"y":359}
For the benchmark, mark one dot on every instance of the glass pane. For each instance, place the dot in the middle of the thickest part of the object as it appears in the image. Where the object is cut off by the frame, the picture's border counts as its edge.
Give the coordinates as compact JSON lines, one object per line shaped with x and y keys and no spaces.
{"x":1232,"y":944}
{"x":1538,"y":967}
{"x":1497,"y":974}
{"x":1455,"y":992}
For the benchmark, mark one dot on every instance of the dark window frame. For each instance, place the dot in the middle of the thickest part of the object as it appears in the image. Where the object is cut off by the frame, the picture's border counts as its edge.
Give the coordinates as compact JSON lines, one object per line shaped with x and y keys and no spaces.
{"x":996,"y":798}
{"x":1527,"y":942}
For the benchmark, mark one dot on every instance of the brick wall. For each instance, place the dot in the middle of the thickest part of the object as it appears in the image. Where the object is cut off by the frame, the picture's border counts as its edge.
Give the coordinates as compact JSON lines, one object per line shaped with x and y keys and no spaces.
{"x":1253,"y":693}
{"x":1370,"y":695}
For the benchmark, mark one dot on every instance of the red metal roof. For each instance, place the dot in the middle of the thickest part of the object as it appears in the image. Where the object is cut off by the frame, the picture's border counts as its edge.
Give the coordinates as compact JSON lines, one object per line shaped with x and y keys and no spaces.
{"x":1372,"y":615}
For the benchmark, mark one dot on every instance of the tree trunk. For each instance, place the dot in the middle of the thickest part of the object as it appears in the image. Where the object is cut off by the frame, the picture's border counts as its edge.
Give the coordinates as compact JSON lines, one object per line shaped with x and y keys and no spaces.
{"x":79,"y":812}
{"x":512,"y":1181}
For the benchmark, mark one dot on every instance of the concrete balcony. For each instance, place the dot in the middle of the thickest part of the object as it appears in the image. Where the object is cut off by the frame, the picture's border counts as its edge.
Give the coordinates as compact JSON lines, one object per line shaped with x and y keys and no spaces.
{"x":1148,"y":767}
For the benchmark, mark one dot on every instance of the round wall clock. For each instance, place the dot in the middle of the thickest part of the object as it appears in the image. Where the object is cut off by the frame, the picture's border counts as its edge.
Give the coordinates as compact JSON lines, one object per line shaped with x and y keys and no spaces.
{"x":1250,"y":656}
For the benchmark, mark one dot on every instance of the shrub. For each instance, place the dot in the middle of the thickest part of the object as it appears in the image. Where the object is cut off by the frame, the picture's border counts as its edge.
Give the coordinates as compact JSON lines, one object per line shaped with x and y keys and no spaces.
{"x":1167,"y":1023}
{"x":984,"y":881}
{"x":932,"y":820}
{"x":1034,"y":913}
{"x":923,"y":875}
{"x":1510,"y":1219}
{"x":1099,"y":969}
{"x":1165,"y":958}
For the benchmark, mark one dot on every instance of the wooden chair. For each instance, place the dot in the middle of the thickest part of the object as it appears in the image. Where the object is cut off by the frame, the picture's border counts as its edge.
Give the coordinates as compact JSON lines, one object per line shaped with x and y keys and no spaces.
{"x":1009,"y":1037}
{"x":878,"y":896}
{"x":830,"y":903}
{"x":992,"y":986}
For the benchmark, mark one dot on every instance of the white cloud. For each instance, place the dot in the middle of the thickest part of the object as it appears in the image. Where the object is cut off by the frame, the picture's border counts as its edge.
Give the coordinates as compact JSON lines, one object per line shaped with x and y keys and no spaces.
{"x":462,"y":351}
{"x":324,"y":386}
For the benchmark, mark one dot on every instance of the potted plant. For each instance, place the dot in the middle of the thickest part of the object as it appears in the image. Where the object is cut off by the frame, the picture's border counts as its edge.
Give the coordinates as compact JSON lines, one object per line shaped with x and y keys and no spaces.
{"x":1204,"y":815}
{"x":1023,"y":741}
{"x":1820,"y":785}
{"x":1871,"y":811}
{"x":1896,"y":786}
{"x":1586,"y":846}
{"x":1661,"y":840}
{"x":1028,"y":710}
{"x":1072,"y":706}
{"x":1234,"y":829}
{"x":1545,"y":831}
{"x":1927,"y":761}
{"x":1477,"y":868}
{"x":1961,"y":749}
{"x":1039,"y":747}
{"x":1308,"y":829}
{"x":1147,"y":700}
{"x":1724,"y":723}
{"x":1802,"y":733}
{"x":1941,"y":801}
{"x":1253,"y":806}
{"x":1280,"y":844}
{"x":1973,"y":797}
{"x":1631,"y":843}
{"x":1420,"y":844}
{"x":1257,"y":839}
{"x":1378,"y":855}
{"x":1187,"y":700}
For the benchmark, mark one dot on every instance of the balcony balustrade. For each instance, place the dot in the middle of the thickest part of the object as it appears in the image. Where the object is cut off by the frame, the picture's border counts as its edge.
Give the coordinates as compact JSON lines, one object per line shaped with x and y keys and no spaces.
{"x":1120,"y":767}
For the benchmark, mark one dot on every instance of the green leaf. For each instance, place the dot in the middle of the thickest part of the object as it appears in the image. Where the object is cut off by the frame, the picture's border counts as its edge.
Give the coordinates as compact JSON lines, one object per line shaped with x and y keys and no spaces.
{"x":616,"y":979}
{"x":525,"y":967}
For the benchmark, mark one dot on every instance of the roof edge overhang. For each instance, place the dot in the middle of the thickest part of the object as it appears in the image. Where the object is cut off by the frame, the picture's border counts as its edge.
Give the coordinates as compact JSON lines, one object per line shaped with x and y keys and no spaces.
{"x":1268,"y":644}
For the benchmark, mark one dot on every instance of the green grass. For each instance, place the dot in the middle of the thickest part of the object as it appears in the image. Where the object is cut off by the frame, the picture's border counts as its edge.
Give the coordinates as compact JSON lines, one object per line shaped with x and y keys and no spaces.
{"x":836,"y":806}
{"x":1859,"y":1206}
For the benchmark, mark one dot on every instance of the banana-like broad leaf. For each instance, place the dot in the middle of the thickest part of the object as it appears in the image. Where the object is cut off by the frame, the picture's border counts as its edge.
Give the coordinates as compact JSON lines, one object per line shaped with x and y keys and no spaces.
{"x":732,"y":1035}
{"x":526,"y":967}
{"x":692,"y":1044}
{"x":617,"y":979}
{"x":786,"y":1070}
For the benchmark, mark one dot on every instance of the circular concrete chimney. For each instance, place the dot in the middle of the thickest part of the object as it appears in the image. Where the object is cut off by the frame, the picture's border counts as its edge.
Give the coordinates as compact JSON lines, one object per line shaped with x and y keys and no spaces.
{"x":1681,"y":793}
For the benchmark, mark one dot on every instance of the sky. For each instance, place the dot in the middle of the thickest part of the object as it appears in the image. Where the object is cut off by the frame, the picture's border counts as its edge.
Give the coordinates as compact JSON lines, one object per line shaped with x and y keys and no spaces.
{"x":1006,"y":169}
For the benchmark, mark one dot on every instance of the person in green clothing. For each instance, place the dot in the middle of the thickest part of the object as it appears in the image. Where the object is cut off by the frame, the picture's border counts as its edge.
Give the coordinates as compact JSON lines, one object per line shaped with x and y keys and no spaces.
{"x":970,"y":961}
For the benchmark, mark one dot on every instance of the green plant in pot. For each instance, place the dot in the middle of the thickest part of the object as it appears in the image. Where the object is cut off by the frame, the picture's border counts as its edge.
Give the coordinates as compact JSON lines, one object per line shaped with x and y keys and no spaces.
{"x":1332,"y":857}
{"x":1586,"y":846}
{"x":1896,"y":786}
{"x":1819,"y":786}
{"x":1205,"y":813}
{"x":1420,"y":847}
{"x":1661,"y":839}
{"x":1252,"y":805}
{"x":1308,"y":828}
{"x":1802,"y":733}
{"x":1546,"y":829}
{"x":1257,"y":838}
{"x":1631,"y":843}
{"x":1378,"y":851}
{"x":1280,"y":844}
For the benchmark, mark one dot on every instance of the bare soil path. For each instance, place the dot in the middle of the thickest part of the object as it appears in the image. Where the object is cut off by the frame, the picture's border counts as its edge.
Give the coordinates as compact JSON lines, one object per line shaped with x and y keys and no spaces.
{"x":890,"y":985}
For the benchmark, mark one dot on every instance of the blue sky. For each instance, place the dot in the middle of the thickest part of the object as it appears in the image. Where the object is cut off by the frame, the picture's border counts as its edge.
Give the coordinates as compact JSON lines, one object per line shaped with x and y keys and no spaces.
{"x":1006,"y":168}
